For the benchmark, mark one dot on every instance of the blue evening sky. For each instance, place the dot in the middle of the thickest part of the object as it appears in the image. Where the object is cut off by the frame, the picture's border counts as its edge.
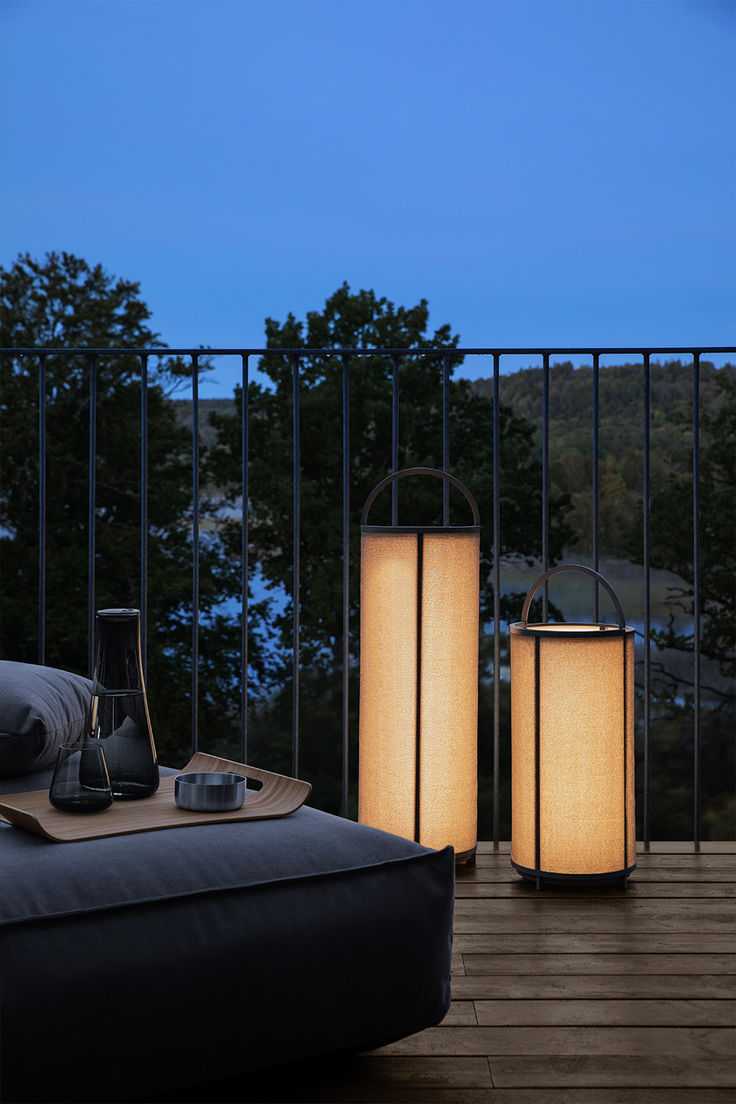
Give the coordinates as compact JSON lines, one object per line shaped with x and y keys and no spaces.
{"x":544,"y":172}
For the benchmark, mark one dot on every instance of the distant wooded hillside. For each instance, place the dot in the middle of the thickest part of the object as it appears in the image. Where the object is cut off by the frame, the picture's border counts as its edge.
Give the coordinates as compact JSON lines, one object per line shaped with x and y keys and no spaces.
{"x":621,"y":414}
{"x":621,"y":403}
{"x":620,"y":435}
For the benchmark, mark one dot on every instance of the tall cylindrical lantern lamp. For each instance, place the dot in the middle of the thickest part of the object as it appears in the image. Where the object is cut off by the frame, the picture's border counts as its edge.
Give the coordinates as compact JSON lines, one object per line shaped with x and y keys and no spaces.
{"x":572,"y":747}
{"x":419,"y":613}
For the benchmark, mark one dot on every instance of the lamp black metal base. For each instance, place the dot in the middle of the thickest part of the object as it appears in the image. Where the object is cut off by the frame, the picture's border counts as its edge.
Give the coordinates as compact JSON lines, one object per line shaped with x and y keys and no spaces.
{"x":466,"y":858}
{"x":544,"y":877}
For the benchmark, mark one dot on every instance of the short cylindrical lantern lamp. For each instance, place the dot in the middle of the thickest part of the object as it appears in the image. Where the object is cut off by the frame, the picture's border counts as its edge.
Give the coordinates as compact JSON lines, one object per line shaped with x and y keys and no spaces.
{"x":419,"y":613}
{"x":572,"y":747}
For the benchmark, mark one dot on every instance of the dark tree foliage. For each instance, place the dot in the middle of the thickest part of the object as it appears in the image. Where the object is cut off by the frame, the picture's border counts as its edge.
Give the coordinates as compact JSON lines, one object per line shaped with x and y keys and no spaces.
{"x":62,"y":302}
{"x":673,"y":548}
{"x":356,"y":321}
{"x":672,"y":544}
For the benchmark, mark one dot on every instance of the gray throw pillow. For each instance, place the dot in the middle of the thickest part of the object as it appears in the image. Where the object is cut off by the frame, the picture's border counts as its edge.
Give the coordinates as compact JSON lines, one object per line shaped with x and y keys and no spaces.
{"x":40,"y":708}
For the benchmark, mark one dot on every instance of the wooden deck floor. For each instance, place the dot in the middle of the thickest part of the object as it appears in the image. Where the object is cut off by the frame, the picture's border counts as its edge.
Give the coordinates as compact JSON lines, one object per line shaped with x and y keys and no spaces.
{"x":593,"y":997}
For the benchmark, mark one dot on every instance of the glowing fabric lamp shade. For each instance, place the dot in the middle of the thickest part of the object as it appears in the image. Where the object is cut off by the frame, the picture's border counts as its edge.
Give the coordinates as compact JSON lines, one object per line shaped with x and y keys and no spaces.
{"x":572,"y":747}
{"x":419,"y":612}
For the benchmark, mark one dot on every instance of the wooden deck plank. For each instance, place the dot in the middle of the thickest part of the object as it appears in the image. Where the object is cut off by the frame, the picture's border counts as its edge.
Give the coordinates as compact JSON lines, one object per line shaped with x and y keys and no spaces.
{"x":375,"y":1094}
{"x":548,"y":915}
{"x":605,"y":1013}
{"x":380,"y":1080}
{"x":604,"y":1071}
{"x":633,"y":965}
{"x":586,"y":986}
{"x":587,"y":906}
{"x":693,"y":1043}
{"x":457,"y":965}
{"x":424,"y":1071}
{"x":461,"y":1014}
{"x":636,"y":890}
{"x":372,"y":1094}
{"x":600,"y":943}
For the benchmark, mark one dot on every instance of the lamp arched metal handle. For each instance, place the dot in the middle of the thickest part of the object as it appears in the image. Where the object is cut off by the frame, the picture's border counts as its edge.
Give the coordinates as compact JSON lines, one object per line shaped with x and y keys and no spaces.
{"x":420,"y":471}
{"x":573,"y":567}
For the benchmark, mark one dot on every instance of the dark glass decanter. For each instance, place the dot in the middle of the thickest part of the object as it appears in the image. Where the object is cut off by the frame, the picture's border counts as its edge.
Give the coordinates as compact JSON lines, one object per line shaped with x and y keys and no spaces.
{"x":119,"y":711}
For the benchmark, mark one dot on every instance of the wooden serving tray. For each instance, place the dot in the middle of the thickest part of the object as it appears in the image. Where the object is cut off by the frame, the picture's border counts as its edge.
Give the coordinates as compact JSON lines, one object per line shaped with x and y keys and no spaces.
{"x":278,"y":796}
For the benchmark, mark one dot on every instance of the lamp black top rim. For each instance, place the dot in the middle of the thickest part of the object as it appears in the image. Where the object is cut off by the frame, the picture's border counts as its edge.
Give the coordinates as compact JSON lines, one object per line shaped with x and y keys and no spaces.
{"x":407,"y":529}
{"x":556,"y":630}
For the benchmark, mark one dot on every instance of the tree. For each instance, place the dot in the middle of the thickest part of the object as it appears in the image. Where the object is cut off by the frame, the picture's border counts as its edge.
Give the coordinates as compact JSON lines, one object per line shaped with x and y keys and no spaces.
{"x":671,"y":548}
{"x":672,"y":545}
{"x":64,"y":303}
{"x":363,"y":321}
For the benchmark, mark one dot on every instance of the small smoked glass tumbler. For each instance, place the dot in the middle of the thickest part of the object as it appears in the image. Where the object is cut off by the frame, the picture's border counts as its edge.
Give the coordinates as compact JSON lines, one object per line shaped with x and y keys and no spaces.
{"x":81,"y":783}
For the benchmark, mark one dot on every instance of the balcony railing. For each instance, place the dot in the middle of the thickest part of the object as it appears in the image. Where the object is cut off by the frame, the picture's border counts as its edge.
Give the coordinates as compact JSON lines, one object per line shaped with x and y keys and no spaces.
{"x":492,"y":362}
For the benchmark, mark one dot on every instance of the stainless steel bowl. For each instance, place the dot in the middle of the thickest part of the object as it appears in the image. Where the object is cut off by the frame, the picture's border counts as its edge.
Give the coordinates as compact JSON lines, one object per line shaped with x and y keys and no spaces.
{"x":209,"y":791}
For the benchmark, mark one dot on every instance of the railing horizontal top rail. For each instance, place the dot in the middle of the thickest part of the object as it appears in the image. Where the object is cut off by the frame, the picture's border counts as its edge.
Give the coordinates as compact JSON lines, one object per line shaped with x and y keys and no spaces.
{"x":541,"y":350}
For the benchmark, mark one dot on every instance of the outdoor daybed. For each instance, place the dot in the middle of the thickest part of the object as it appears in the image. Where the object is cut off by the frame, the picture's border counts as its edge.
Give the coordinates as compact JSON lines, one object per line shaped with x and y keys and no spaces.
{"x":142,"y":963}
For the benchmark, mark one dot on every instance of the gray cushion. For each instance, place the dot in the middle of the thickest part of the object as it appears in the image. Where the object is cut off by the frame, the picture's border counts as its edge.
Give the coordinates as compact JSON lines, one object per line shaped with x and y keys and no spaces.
{"x":40,"y":708}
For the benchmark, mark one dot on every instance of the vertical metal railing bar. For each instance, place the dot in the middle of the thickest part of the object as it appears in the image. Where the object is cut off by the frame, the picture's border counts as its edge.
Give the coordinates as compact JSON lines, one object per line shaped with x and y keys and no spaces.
{"x":296,"y":443}
{"x":496,"y":600}
{"x":195,"y":553}
{"x":42,"y":509}
{"x":545,"y":479}
{"x":696,"y":599}
{"x":345,"y":585}
{"x":144,"y":509}
{"x":395,"y":439}
{"x":92,"y":360}
{"x":596,"y":485}
{"x":646,"y":812}
{"x":244,"y":534}
{"x":445,"y":437}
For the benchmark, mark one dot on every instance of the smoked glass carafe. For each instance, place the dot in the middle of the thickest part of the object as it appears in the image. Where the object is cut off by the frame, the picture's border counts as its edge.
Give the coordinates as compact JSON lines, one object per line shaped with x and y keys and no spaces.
{"x":119,"y":711}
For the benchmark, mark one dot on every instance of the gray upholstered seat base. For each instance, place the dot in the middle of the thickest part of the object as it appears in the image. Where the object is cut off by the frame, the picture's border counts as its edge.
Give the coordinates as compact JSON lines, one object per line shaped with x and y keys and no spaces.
{"x":134,"y":964}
